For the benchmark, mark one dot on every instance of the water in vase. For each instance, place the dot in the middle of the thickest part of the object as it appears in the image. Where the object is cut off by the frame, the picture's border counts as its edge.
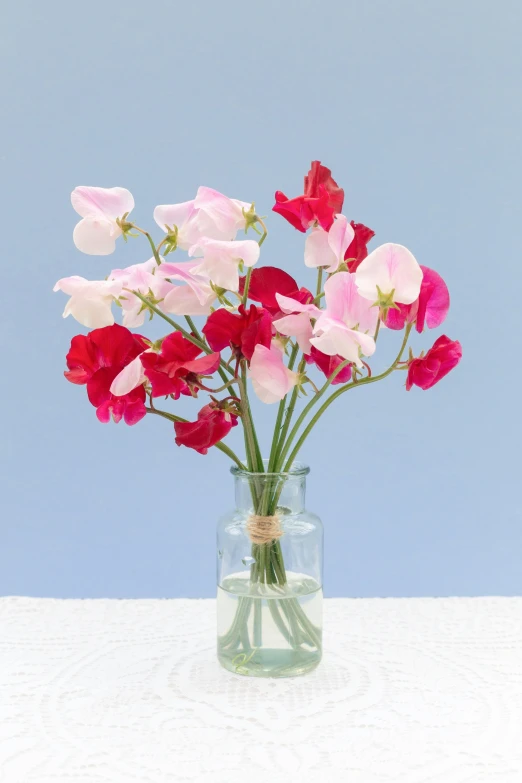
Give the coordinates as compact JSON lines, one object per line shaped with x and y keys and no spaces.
{"x":269,"y":630}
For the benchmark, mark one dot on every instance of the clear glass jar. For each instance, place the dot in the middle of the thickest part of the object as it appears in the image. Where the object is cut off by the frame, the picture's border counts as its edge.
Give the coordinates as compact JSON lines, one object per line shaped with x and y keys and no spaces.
{"x":269,"y":577}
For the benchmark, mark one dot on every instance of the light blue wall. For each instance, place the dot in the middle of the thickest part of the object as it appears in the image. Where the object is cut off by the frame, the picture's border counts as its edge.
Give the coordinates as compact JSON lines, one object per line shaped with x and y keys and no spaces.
{"x":416,"y":106}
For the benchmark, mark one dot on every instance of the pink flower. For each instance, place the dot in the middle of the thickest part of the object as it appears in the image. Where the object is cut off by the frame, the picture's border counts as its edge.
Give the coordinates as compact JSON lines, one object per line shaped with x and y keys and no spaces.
{"x":221,"y":260}
{"x":298,"y":321}
{"x":194,"y":298}
{"x":240,"y":331}
{"x":327,"y":248}
{"x":358,"y":250}
{"x":176,"y":369}
{"x":90,"y":301}
{"x":146,"y":280}
{"x":210,"y":214}
{"x":271,"y":378}
{"x":341,"y":328}
{"x":97,"y":232}
{"x":390,"y":271}
{"x":268,"y":281}
{"x":328,"y":365}
{"x":213,"y":424}
{"x":431,"y":307}
{"x":322,"y":199}
{"x":96,"y":359}
{"x":428,"y":370}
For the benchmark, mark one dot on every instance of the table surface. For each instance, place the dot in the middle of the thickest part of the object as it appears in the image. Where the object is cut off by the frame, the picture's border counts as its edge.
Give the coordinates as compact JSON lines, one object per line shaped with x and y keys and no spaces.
{"x":421,"y":690}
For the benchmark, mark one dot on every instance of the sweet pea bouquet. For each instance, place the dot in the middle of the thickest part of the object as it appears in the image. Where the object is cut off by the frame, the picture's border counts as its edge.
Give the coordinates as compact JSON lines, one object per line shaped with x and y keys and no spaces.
{"x":260,"y":324}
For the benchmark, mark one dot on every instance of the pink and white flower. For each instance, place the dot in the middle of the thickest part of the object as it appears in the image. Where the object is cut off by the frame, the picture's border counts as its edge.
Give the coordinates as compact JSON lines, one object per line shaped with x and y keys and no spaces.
{"x":271,"y":378}
{"x":327,"y":248}
{"x":144,"y":279}
{"x":194,"y":298}
{"x":90,"y":301}
{"x":298,"y":321}
{"x":342,"y":327}
{"x":389,"y":271}
{"x":221,"y":260}
{"x":97,"y":232}
{"x":211,"y":214}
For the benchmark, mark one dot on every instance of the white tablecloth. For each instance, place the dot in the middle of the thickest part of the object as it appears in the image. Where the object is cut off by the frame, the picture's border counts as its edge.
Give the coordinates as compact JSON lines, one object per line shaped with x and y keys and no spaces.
{"x":410,"y":691}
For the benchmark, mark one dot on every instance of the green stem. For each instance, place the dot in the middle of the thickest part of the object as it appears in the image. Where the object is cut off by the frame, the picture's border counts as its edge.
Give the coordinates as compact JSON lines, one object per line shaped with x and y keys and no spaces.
{"x":279,"y":419}
{"x":151,"y":241}
{"x":319,"y":282}
{"x":220,"y":446}
{"x":341,"y":390}
{"x":203,"y":346}
{"x":306,"y":411}
{"x":288,"y":417}
{"x":247,"y":285}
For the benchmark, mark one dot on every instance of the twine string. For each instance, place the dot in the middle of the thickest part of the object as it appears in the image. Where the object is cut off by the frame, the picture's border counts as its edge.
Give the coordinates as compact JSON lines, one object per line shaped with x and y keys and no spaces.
{"x":263,"y":530}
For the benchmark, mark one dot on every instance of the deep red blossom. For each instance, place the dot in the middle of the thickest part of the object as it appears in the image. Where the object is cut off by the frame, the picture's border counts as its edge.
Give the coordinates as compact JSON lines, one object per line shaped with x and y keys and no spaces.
{"x":96,"y":359}
{"x":429,"y":309}
{"x":267,"y":281}
{"x":212,"y":425}
{"x":321,"y":200}
{"x":241,"y":331}
{"x":428,"y":370}
{"x":176,"y":369}
{"x":357,"y":250}
{"x":328,"y":365}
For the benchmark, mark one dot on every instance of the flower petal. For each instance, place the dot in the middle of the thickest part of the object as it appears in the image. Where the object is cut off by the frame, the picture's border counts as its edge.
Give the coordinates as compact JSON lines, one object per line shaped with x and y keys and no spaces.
{"x":271,"y":379}
{"x":110,"y":203}
{"x":390,"y":267}
{"x":297,"y":325}
{"x":129,"y":378}
{"x":317,"y":250}
{"x":96,"y":236}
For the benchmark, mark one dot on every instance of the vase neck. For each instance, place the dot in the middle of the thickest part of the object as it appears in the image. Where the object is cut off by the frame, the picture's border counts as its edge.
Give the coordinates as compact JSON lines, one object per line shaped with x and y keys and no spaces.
{"x":263,"y":493}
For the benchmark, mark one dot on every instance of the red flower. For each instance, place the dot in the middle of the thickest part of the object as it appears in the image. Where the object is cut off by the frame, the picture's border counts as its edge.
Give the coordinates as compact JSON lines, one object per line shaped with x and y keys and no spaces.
{"x":96,"y":359}
{"x":357,"y":249}
{"x":212,"y":425}
{"x":175,"y":369}
{"x":322,"y":199}
{"x":241,"y":331}
{"x":328,"y":365}
{"x":431,"y":308}
{"x":267,"y":281}
{"x":428,"y":370}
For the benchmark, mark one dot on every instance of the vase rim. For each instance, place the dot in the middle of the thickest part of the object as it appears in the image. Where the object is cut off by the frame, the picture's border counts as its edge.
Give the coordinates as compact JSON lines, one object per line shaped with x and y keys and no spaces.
{"x":297,"y":469}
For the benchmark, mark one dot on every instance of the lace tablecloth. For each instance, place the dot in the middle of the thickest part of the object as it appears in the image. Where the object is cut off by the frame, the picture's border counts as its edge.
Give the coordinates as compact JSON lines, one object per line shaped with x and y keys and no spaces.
{"x":410,"y":691}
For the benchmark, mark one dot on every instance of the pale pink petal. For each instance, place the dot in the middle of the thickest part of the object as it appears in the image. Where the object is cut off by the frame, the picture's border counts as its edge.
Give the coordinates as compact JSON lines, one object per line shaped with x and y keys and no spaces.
{"x":224,"y":213}
{"x":129,"y":378}
{"x":344,"y":303}
{"x":337,"y":339}
{"x":289,"y":305}
{"x":173,"y":214}
{"x":183,"y":300}
{"x":271,"y":378}
{"x":340,"y":237}
{"x":317,"y":249}
{"x":390,"y":267}
{"x":96,"y":236}
{"x":90,"y":301}
{"x":298,"y":326}
{"x":110,"y":203}
{"x":185,"y":271}
{"x":91,"y":313}
{"x":221,"y":260}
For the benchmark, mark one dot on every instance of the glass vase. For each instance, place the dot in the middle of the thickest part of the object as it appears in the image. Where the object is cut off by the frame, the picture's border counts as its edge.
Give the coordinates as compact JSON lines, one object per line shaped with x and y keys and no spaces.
{"x":269,"y":577}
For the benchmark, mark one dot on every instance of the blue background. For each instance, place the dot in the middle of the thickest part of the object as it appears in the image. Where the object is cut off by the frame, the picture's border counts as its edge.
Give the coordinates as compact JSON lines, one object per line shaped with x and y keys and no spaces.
{"x":417,"y":109}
